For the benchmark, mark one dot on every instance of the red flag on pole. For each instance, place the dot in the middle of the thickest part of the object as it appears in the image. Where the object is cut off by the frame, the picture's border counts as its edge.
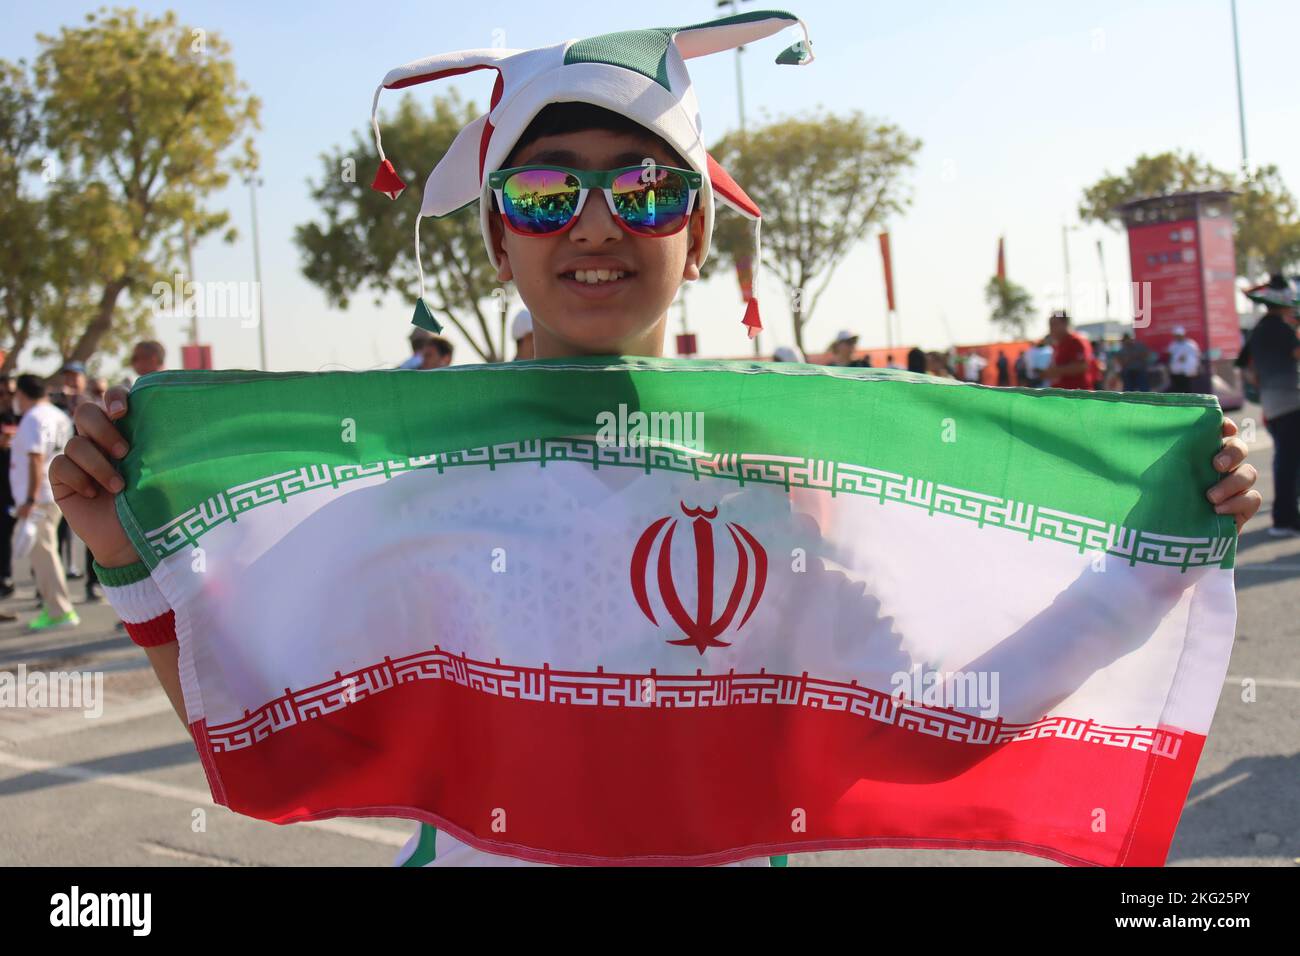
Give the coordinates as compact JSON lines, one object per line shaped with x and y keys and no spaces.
{"x":1002,"y":262}
{"x":889,"y":270}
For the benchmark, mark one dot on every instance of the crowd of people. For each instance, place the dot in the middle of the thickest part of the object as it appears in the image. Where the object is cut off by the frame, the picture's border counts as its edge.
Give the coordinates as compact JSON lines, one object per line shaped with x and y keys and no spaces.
{"x":1269,"y":362}
{"x":1063,"y":358}
{"x":35,"y":425}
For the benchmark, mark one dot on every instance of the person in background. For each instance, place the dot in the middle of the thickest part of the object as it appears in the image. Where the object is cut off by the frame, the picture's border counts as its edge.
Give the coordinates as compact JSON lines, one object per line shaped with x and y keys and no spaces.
{"x":1004,"y":369}
{"x":1072,"y":365}
{"x":889,"y":361}
{"x":436,"y":354}
{"x":1022,"y":370}
{"x":842,"y":349}
{"x":936,"y":363}
{"x":1184,"y":361}
{"x":787,"y":353}
{"x":8,"y":428}
{"x":73,"y":390}
{"x":1270,"y":357}
{"x":1100,"y":358}
{"x":42,"y":434}
{"x":916,"y":361}
{"x":973,"y":368}
{"x":521,"y":330}
{"x":1037,"y":360}
{"x":1134,"y":360}
{"x":419,"y":339}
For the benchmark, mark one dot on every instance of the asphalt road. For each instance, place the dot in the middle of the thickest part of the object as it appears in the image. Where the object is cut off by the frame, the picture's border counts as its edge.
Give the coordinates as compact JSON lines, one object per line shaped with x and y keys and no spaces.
{"x":126,"y":788}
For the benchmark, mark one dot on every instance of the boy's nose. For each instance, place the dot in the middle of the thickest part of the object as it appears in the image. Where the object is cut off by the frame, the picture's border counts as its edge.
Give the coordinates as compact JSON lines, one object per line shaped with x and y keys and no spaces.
{"x":595,"y":223}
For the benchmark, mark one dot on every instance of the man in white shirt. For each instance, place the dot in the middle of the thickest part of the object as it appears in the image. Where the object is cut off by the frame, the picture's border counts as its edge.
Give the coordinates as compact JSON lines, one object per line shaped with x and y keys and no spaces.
{"x":42,"y":433}
{"x":973,"y":367}
{"x":1184,"y":361}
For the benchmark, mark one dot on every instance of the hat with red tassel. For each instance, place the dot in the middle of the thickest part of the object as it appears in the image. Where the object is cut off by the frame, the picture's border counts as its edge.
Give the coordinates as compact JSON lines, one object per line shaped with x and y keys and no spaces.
{"x":640,"y":74}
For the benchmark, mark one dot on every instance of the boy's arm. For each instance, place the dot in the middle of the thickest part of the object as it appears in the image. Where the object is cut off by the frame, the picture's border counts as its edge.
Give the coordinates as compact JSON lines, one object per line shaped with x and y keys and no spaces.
{"x":150,"y":622}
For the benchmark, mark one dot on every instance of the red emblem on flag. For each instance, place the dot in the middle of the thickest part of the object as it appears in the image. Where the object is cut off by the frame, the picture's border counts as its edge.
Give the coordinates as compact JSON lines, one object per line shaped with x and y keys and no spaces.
{"x":703,"y":629}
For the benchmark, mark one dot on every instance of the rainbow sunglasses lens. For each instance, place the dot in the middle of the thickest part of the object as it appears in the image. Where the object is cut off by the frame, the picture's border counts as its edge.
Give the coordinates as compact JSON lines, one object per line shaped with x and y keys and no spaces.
{"x":651,"y":201}
{"x":540,"y":201}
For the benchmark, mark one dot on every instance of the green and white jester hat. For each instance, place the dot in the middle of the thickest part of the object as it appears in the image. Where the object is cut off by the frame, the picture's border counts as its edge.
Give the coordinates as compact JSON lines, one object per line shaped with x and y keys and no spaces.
{"x":640,"y":74}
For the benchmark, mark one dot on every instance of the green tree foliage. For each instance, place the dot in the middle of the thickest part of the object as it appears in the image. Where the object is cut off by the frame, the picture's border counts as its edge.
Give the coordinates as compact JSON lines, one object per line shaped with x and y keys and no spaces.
{"x":1012,"y":308}
{"x":1267,"y":218}
{"x":822,"y":181}
{"x":368,"y":241}
{"x":134,"y":113}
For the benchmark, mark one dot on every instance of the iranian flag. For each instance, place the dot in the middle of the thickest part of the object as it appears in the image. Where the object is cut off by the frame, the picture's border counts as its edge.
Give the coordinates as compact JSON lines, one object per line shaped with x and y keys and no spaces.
{"x":634,"y":611}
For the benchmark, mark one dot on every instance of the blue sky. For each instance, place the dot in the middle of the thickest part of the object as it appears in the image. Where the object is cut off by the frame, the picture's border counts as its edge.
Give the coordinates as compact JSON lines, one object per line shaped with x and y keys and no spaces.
{"x":1019,"y":105}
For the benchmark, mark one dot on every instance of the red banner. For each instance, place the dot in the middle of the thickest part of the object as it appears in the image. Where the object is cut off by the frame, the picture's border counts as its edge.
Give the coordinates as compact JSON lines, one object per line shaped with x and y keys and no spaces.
{"x":196,"y":356}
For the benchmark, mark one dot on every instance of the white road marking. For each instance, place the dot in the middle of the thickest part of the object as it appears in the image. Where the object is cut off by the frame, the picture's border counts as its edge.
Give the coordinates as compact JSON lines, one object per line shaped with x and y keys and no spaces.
{"x":1264,"y":682}
{"x":115,"y":712}
{"x":194,"y":798}
{"x":1217,"y":789}
{"x":189,"y":856}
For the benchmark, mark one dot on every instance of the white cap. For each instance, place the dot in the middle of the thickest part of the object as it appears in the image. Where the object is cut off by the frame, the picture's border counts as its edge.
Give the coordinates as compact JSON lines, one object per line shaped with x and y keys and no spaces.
{"x":1179,"y":330}
{"x":522,"y":325}
{"x":844,"y":335}
{"x":786,"y":353}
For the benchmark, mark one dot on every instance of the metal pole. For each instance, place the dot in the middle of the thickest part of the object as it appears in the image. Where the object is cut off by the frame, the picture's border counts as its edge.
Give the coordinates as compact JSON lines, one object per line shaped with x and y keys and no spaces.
{"x":1241,"y":104}
{"x":1065,"y":246}
{"x":1101,"y":257}
{"x":253,"y":183}
{"x":189,"y":265}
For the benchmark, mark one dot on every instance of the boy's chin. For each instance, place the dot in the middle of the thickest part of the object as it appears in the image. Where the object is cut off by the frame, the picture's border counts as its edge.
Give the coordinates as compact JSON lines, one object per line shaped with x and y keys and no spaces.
{"x":607,"y":331}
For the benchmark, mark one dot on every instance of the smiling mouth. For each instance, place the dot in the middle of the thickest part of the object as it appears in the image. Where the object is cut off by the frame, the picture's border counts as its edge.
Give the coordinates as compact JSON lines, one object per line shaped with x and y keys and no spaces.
{"x":598,"y":277}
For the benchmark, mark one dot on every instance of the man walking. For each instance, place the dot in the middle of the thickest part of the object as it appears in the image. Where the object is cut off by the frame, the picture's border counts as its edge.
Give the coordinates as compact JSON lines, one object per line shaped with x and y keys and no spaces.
{"x":42,"y":433}
{"x":1184,"y":361}
{"x":1072,"y":365}
{"x":1271,"y":355}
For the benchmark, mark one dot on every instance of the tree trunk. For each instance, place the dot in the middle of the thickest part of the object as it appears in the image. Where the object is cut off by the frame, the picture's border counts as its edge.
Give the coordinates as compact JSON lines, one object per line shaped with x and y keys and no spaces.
{"x":100,"y":324}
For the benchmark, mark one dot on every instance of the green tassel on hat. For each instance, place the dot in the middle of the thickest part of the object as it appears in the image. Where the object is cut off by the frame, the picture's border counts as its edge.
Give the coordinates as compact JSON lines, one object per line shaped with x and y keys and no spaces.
{"x":424,"y":318}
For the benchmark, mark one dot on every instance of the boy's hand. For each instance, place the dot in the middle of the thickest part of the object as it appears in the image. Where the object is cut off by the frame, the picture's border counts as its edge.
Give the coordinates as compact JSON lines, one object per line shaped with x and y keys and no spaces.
{"x":1235,"y":494}
{"x":84,"y":480}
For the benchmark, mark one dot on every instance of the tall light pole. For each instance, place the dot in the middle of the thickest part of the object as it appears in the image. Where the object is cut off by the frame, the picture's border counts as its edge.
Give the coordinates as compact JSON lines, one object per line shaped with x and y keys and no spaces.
{"x":253,"y":182}
{"x":740,"y":103}
{"x":1241,"y":104}
{"x":1065,"y":248}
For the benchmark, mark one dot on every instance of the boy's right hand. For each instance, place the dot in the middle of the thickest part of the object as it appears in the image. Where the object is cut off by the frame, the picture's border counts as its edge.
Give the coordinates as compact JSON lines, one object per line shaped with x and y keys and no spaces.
{"x":85,"y":480}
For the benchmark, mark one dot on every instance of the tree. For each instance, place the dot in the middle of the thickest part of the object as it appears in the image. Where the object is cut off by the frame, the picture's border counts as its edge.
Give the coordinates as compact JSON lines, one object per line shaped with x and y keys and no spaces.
{"x":1012,"y":307}
{"x":822,"y":181}
{"x":25,"y":257}
{"x":367,"y":240}
{"x":137,"y":113}
{"x":1265,"y":212}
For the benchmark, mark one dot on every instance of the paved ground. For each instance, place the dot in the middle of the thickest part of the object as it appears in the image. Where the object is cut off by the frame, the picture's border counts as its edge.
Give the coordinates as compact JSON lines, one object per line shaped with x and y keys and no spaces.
{"x":126,"y":788}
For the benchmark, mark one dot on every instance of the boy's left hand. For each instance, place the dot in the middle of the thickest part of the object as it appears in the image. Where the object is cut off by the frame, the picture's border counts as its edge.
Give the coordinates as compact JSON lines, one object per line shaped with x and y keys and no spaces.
{"x":1235,"y":494}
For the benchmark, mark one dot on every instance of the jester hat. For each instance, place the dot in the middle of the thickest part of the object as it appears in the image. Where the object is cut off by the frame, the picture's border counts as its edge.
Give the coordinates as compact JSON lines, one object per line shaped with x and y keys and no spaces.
{"x":640,"y":74}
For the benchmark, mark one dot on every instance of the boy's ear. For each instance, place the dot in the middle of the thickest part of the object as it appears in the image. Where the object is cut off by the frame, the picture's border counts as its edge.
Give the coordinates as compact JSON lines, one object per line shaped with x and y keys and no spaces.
{"x":695,"y":228}
{"x":504,"y":272}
